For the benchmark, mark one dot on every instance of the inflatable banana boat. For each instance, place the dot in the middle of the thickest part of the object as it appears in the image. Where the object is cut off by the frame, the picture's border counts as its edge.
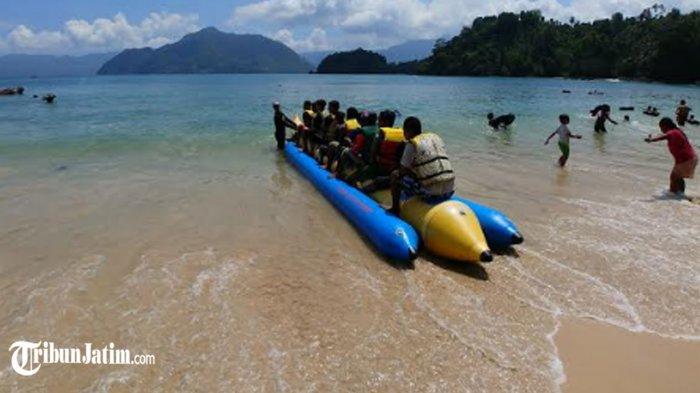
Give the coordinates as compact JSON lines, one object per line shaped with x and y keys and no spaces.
{"x":499,"y":230}
{"x":389,"y":234}
{"x":449,"y":229}
{"x":457,"y":229}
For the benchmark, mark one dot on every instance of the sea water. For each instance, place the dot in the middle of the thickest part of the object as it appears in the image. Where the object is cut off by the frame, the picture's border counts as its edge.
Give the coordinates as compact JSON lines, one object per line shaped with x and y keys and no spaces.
{"x":154,"y":212}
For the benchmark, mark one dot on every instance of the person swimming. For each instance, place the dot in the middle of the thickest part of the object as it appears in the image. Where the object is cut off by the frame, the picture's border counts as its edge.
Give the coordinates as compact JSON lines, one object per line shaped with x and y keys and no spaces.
{"x":693,"y":121}
{"x":651,"y":111}
{"x":502,"y":121}
{"x":49,"y":98}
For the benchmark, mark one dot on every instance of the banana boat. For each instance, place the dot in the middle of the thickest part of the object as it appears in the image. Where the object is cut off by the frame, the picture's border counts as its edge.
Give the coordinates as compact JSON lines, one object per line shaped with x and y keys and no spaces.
{"x":501,"y":233}
{"x":457,"y":229}
{"x":448,"y":229}
{"x":389,"y":234}
{"x":462,"y":236}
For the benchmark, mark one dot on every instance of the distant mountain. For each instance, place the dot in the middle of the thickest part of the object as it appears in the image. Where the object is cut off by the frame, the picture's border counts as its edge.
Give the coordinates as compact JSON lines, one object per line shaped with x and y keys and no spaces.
{"x":209,"y":51}
{"x":358,"y":61}
{"x":408,"y":51}
{"x":361,"y":61}
{"x":314,"y":58}
{"x":22,"y":66}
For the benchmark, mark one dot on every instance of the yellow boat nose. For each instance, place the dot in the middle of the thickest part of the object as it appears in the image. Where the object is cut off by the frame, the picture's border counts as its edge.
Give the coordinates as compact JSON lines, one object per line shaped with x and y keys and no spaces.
{"x":449,"y":229}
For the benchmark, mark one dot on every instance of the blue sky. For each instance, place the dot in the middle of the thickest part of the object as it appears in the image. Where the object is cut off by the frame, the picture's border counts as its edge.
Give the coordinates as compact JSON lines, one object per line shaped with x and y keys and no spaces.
{"x":88,"y":26}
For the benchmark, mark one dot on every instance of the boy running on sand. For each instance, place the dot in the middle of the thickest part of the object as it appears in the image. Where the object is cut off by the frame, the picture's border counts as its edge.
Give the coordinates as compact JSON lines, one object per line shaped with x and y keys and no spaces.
{"x":564,"y":136}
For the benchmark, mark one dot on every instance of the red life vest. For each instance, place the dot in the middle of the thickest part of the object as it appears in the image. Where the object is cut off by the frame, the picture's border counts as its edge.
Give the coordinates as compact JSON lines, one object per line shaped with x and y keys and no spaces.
{"x":391,"y":148}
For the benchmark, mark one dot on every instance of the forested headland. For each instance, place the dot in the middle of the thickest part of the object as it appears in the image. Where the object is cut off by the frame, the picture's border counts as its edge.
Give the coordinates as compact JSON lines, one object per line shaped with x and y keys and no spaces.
{"x":655,"y":45}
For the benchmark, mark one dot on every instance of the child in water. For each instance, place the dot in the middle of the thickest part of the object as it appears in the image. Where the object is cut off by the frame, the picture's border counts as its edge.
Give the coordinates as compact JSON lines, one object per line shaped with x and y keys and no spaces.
{"x":564,"y":136}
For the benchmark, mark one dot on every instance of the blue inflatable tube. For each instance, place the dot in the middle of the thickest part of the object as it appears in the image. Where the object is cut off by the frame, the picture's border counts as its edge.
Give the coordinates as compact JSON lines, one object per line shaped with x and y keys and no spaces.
{"x":390,"y":235}
{"x":499,"y":230}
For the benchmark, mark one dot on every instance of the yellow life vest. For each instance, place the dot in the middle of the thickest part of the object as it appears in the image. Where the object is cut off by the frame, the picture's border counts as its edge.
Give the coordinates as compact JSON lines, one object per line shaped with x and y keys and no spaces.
{"x":430,"y":162}
{"x":351,"y":125}
{"x":393,"y":134}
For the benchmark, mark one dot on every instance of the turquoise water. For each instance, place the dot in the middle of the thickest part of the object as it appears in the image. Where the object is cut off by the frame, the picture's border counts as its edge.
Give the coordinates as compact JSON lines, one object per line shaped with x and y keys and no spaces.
{"x":99,"y":119}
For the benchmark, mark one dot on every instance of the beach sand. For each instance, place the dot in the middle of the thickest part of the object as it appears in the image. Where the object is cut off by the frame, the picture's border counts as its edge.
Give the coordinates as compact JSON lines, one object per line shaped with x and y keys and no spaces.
{"x":601,"y":358}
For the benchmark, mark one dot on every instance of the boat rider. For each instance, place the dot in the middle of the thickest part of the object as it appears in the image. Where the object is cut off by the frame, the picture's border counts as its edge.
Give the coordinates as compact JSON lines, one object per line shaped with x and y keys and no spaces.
{"x":329,"y":131}
{"x":307,"y":119}
{"x":347,"y":130}
{"x":425,"y":169}
{"x":351,"y":122}
{"x":385,"y":154}
{"x":316,"y":135}
{"x":337,"y":133}
{"x":358,"y":152}
{"x":281,"y":122}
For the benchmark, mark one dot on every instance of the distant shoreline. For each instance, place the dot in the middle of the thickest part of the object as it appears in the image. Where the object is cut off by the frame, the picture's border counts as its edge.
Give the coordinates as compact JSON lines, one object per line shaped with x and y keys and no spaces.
{"x":642,"y":80}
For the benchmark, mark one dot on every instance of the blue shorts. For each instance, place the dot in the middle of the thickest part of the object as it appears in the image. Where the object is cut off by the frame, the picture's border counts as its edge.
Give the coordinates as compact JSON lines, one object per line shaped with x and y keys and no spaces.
{"x":411,"y":188}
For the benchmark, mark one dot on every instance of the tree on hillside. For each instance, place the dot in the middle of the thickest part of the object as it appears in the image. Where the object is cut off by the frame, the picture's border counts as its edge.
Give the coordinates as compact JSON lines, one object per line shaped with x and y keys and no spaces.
{"x":655,"y":45}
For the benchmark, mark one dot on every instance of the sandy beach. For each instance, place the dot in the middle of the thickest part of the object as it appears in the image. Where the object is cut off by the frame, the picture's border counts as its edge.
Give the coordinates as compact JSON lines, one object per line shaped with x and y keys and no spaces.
{"x":602,"y":358}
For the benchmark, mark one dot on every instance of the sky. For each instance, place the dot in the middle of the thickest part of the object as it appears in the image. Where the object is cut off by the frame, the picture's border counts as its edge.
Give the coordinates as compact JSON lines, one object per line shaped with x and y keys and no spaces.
{"x":97,"y":26}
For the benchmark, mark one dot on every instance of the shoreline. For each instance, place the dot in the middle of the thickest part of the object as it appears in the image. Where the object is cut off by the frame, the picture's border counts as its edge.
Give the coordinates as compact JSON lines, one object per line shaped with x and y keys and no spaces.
{"x":560,"y":77}
{"x":598,"y":357}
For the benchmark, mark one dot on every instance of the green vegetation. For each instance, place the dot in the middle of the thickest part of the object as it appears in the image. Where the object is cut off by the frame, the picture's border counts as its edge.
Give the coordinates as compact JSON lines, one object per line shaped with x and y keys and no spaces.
{"x":209,"y":51}
{"x":358,"y":61}
{"x":654,"y":45}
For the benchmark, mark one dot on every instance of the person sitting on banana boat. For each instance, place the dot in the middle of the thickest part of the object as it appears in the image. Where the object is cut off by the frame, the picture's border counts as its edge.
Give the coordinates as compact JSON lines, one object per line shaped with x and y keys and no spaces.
{"x":385,"y":154}
{"x":351,"y":120}
{"x":357,"y":155}
{"x":317,"y":123}
{"x":302,"y":136}
{"x":425,"y":169}
{"x":326,"y":132}
{"x":332,"y":133}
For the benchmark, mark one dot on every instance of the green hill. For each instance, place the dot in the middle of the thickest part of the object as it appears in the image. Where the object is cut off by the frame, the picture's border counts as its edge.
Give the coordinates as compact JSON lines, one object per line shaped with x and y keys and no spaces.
{"x":209,"y":51}
{"x":358,"y":61}
{"x":654,"y":45}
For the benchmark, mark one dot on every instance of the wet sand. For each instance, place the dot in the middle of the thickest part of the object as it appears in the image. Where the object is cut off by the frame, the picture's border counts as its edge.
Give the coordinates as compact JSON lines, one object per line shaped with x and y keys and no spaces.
{"x":603,"y":358}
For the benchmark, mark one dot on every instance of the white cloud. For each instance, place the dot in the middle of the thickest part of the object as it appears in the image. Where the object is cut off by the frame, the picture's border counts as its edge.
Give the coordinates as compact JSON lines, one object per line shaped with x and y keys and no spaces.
{"x":23,"y":37}
{"x":377,"y":23}
{"x":316,"y":40}
{"x":102,"y":34}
